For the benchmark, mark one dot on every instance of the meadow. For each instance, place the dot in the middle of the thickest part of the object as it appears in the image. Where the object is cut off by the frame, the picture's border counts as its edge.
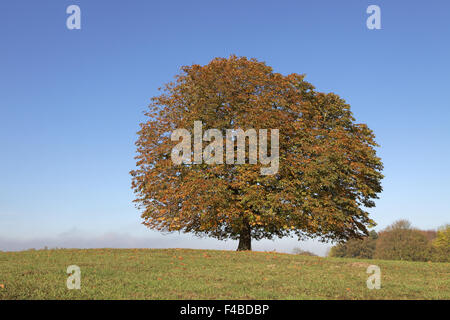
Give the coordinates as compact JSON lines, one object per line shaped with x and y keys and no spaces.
{"x":211,"y":274}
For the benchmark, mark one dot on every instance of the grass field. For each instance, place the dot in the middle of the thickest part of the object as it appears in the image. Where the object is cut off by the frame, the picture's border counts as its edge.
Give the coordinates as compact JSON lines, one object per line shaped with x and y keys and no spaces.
{"x":208,"y":274}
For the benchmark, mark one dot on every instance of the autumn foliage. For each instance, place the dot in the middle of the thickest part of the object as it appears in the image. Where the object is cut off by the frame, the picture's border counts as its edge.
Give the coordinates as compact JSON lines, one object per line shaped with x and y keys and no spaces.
{"x":441,"y":244}
{"x":400,"y":241}
{"x":328,"y":168}
{"x":356,"y":248}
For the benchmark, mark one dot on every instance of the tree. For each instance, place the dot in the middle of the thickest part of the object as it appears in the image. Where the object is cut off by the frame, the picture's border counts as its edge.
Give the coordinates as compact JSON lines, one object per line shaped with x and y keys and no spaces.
{"x":429,"y":234}
{"x":401,"y":224}
{"x":441,"y":244}
{"x":328,"y":168}
{"x":402,"y":242}
{"x":356,"y":248}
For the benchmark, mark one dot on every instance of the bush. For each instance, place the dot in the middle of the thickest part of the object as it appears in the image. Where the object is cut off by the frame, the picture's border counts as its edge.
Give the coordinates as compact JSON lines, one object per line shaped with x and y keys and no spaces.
{"x":356,"y":248}
{"x":441,"y":244}
{"x":338,"y":251}
{"x":401,"y":242}
{"x":430,"y":234}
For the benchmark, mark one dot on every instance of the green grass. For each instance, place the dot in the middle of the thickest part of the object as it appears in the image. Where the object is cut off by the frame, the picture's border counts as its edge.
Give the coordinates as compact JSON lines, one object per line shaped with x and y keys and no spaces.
{"x":209,"y":274}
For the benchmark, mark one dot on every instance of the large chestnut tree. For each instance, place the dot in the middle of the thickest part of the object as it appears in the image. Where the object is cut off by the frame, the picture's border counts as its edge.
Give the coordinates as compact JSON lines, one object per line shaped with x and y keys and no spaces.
{"x":328,"y":168}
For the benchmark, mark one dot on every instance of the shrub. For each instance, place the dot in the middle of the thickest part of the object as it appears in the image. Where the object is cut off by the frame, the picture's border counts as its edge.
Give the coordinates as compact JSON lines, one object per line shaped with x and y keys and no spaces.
{"x":430,"y":234}
{"x":441,"y":244}
{"x":401,"y":242}
{"x":356,"y":248}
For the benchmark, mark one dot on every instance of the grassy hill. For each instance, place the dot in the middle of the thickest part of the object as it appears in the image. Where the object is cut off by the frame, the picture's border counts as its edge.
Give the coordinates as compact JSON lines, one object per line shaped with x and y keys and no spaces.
{"x":209,"y":274}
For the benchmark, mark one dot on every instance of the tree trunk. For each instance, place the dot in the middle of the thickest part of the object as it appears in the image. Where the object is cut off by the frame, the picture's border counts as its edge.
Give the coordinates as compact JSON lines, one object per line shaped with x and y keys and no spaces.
{"x":245,"y":238}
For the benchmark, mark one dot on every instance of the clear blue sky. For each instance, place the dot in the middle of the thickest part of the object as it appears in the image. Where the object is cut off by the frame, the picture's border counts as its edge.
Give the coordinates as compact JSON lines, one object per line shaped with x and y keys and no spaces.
{"x":71,"y":100}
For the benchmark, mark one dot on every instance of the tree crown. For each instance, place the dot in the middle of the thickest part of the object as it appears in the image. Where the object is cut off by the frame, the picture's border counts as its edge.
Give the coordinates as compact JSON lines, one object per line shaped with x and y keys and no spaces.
{"x":328,"y":168}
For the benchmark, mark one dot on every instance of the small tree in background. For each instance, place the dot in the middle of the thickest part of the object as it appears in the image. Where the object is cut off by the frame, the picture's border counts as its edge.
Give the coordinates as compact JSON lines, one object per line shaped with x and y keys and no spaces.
{"x":429,"y":234}
{"x":356,"y":248}
{"x":400,"y":241}
{"x":339,"y":250}
{"x":401,"y":224}
{"x":441,"y":244}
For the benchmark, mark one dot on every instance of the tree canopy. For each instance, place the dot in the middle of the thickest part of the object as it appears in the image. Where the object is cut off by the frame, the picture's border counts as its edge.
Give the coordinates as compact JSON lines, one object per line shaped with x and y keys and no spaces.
{"x":441,"y":244}
{"x":356,"y":248}
{"x":328,"y":168}
{"x":400,"y":241}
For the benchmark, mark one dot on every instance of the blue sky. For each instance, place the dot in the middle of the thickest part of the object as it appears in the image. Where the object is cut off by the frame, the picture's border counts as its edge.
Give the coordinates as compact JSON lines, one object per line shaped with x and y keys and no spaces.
{"x":71,"y":101}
